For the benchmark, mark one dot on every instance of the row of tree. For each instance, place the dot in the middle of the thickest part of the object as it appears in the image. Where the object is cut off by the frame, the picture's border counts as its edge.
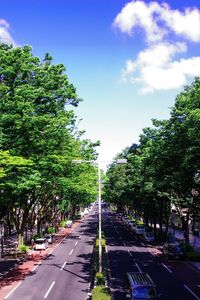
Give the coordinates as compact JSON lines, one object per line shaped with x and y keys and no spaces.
{"x":39,"y":140}
{"x":163,"y":169}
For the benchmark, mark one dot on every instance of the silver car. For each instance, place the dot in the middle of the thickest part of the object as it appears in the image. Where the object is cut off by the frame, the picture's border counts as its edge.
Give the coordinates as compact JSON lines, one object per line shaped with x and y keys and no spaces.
{"x":41,"y":244}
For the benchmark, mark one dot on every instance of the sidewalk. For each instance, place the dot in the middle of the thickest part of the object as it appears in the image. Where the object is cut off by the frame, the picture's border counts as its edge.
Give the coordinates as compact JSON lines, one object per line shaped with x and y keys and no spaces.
{"x":194,"y":242}
{"x":10,"y":279}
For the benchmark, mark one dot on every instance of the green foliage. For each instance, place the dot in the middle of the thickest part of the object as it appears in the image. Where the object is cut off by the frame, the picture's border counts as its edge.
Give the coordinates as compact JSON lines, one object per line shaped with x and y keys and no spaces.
{"x":39,"y":139}
{"x":101,"y":293}
{"x":23,"y":248}
{"x":193,"y":256}
{"x":164,"y":168}
{"x":62,"y":223}
{"x":100,"y":279}
{"x":51,"y":230}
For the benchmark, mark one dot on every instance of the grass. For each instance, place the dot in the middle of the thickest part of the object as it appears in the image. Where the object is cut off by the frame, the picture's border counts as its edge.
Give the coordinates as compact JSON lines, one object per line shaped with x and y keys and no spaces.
{"x":101,"y":293}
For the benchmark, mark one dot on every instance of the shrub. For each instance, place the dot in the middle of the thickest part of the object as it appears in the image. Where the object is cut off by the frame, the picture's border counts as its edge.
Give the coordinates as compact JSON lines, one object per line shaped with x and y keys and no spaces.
{"x":101,"y":293}
{"x":23,"y":248}
{"x":100,"y":280}
{"x":186,"y":247}
{"x":62,"y":223}
{"x":194,"y":256}
{"x":51,"y":230}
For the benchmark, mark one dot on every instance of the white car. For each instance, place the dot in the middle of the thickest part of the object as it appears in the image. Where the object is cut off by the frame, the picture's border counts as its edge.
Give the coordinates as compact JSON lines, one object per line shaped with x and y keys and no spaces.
{"x":49,"y":238}
{"x":86,"y":211}
{"x":41,"y":244}
{"x":69,"y":224}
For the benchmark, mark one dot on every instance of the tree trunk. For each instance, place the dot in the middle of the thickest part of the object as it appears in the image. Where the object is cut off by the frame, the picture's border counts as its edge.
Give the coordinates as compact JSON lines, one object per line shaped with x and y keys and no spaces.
{"x":20,"y":238}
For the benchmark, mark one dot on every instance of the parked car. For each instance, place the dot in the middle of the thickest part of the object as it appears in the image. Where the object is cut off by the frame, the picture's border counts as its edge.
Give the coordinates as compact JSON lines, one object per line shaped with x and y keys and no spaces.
{"x":86,"y":211}
{"x":49,"y":238}
{"x":132,"y":225}
{"x":141,"y":286}
{"x":68,"y":223}
{"x":139,"y":229}
{"x":149,"y":237}
{"x":125,"y":220}
{"x":173,"y":250}
{"x":41,"y":244}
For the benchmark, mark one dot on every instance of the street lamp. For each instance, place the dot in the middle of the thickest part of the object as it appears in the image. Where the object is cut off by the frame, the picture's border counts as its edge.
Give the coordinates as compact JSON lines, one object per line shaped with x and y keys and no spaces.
{"x":118,"y":161}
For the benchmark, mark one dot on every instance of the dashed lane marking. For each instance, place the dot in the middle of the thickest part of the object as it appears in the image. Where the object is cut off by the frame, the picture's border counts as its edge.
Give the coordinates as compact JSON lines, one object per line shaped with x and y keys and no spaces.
{"x":191,"y":292}
{"x":36,"y":267}
{"x":47,"y":293}
{"x":63,"y":266}
{"x":129,"y":253}
{"x":168,"y":269}
{"x":13,"y":290}
{"x":138,"y":267}
{"x":71,"y":252}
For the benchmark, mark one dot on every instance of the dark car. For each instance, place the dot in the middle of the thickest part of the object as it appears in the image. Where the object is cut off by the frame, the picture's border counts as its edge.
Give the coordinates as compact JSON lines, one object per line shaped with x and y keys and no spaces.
{"x":173,"y":250}
{"x":141,"y":286}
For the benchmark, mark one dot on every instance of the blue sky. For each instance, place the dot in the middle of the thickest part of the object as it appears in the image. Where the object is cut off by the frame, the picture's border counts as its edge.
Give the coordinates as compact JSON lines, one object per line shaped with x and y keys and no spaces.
{"x":127,"y":59}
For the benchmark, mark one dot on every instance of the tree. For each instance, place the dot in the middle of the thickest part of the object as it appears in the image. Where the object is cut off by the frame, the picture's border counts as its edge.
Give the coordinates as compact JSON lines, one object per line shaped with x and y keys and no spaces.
{"x":35,"y":125}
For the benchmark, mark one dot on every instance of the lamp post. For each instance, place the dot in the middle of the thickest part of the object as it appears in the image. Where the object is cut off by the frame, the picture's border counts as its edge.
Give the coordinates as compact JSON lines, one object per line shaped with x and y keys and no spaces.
{"x":100,"y":240}
{"x":118,"y":161}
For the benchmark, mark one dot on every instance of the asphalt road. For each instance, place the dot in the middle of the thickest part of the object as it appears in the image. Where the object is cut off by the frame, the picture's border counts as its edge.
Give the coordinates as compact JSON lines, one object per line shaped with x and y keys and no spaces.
{"x":175,"y":280}
{"x":65,"y":274}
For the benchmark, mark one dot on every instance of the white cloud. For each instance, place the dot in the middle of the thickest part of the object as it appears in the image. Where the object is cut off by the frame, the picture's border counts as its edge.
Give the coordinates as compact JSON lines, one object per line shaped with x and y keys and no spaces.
{"x":160,"y":66}
{"x":156,"y":20}
{"x":155,"y":68}
{"x":139,"y":14}
{"x":186,"y":24}
{"x":5,"y":36}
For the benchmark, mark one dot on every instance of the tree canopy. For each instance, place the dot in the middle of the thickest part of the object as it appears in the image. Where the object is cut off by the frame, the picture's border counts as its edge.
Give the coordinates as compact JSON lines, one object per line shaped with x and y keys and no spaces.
{"x":38,"y":141}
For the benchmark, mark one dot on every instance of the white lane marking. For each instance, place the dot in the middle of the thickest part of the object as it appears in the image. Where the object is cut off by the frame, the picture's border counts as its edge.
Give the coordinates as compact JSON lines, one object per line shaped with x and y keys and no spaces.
{"x":152,"y":253}
{"x":51,"y":252}
{"x":191,"y":292}
{"x":76,"y":243}
{"x":71,"y":252}
{"x":138,"y":268}
{"x":170,"y":271}
{"x":129,"y":253}
{"x":59,"y":243}
{"x":13,"y":290}
{"x":36,"y":267}
{"x":63,"y":266}
{"x":47,"y":293}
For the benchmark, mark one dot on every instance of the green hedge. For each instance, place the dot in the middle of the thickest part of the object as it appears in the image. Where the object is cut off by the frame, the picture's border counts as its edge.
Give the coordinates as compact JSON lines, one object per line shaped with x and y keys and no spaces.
{"x":193,"y":256}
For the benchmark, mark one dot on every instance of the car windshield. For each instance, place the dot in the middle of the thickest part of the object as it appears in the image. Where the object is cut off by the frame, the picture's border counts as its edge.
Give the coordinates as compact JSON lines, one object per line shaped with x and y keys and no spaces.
{"x":140,"y":226}
{"x":39,"y":242}
{"x":144,"y":293}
